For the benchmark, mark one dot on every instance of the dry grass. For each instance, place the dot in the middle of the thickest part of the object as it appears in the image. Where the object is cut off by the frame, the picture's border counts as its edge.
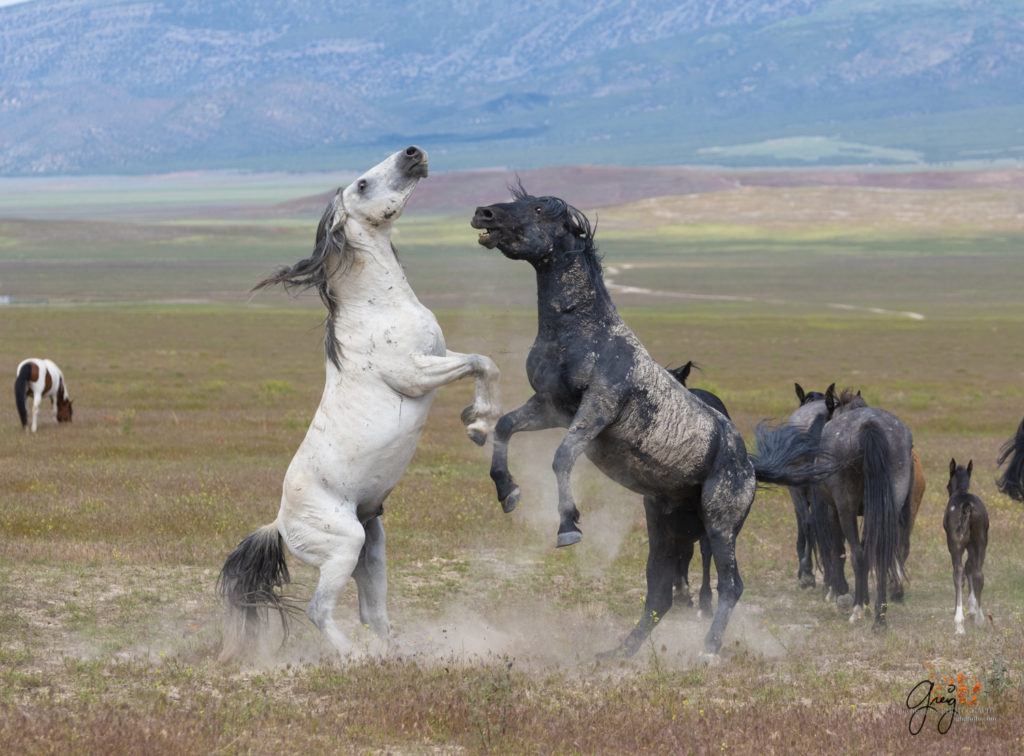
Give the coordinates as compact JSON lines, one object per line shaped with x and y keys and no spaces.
{"x":113,"y":530}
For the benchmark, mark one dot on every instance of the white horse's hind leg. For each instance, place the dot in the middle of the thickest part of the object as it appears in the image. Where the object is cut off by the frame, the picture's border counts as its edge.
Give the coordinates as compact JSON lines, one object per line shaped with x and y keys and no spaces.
{"x":36,"y":399}
{"x":335,"y":551}
{"x":372,"y":581}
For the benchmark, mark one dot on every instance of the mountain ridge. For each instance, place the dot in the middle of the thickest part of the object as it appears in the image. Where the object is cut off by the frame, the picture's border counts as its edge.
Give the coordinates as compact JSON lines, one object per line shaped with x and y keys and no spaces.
{"x":121,"y":86}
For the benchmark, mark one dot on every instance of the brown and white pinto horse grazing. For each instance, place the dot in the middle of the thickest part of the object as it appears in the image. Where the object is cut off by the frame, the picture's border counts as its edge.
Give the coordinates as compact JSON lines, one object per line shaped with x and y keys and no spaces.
{"x":40,"y":378}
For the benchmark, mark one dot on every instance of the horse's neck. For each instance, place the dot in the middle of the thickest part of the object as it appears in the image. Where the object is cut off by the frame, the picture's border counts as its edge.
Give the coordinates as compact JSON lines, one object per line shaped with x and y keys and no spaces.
{"x":372,"y":279}
{"x":569,"y":289}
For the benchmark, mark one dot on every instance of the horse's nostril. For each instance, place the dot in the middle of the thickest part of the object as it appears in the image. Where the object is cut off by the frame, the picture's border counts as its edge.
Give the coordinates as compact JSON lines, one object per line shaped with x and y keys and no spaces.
{"x":413,"y":152}
{"x":486,"y":213}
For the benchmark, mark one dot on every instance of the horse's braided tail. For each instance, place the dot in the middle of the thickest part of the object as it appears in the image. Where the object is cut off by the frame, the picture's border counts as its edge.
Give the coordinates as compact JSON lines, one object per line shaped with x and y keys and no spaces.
{"x":789,"y":456}
{"x":20,"y":389}
{"x":248,"y":583}
{"x":881,"y":512}
{"x":1011,"y":482}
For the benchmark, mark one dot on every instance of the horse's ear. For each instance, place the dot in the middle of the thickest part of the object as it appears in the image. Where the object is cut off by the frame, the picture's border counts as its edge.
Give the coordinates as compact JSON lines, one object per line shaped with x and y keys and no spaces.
{"x":800,"y":395}
{"x":952,"y":466}
{"x":684,"y":372}
{"x":830,"y":399}
{"x":970,"y":467}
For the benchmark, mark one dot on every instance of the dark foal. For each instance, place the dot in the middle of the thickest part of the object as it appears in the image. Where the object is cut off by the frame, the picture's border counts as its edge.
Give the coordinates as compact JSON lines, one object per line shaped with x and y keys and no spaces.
{"x":966,"y":526}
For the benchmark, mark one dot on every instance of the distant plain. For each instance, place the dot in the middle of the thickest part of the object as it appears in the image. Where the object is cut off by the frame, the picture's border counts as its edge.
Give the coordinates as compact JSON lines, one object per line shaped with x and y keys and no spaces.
{"x":191,"y":395}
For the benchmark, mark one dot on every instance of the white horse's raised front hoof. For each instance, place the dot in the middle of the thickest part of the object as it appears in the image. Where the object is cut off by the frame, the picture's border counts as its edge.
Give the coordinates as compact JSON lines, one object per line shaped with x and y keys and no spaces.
{"x":510,"y":502}
{"x":569,"y":538}
{"x":477,"y":427}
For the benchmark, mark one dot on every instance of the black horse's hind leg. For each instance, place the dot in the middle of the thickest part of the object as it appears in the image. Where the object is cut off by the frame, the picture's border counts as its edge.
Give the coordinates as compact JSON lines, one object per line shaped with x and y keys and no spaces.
{"x":533,"y":415}
{"x":730,"y":587}
{"x":670,"y":529}
{"x":804,"y":550}
{"x":704,"y":602}
{"x":682,"y":579}
{"x":831,"y":545}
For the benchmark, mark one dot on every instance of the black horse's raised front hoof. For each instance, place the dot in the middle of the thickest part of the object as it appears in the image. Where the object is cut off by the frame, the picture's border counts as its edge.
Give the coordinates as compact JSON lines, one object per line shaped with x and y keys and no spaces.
{"x":510,"y":501}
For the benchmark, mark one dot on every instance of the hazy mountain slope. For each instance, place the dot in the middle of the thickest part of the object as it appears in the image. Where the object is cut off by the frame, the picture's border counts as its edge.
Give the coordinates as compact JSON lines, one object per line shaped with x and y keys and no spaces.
{"x":115,"y":85}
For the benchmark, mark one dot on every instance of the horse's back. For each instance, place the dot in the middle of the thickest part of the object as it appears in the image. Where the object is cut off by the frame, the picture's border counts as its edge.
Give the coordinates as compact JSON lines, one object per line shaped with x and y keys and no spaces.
{"x":842,"y":439}
{"x":803,"y":417}
{"x":44,"y":377}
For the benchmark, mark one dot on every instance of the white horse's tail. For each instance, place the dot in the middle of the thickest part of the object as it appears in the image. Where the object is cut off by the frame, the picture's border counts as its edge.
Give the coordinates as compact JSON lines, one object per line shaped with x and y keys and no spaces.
{"x":248,"y":583}
{"x":21,"y":389}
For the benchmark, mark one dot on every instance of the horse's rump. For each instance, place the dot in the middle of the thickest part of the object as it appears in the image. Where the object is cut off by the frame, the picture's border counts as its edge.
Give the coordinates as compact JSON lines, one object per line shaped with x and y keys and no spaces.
{"x":21,"y":388}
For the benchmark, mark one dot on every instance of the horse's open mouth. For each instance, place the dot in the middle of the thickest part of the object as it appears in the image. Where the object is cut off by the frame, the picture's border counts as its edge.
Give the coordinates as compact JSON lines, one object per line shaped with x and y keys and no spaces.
{"x":488,"y":238}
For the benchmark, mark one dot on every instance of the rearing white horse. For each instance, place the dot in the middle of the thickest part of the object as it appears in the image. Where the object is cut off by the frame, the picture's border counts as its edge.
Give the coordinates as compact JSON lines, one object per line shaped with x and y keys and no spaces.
{"x":385,"y":358}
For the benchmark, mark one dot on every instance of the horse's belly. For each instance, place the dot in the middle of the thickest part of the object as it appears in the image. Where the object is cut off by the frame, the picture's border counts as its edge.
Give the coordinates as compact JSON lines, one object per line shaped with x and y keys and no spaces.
{"x":356,"y":452}
{"x":656,"y":459}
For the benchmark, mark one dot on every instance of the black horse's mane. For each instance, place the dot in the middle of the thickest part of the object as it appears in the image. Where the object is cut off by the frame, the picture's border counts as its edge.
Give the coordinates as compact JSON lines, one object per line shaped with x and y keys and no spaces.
{"x":330,"y":254}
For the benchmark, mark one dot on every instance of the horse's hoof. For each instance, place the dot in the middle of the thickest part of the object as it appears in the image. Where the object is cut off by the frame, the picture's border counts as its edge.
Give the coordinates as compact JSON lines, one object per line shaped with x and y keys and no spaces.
{"x":806,"y":581}
{"x":710,"y":660}
{"x":845,"y":602}
{"x":960,"y":630}
{"x":569,"y":537}
{"x":477,"y":436}
{"x":510,"y":502}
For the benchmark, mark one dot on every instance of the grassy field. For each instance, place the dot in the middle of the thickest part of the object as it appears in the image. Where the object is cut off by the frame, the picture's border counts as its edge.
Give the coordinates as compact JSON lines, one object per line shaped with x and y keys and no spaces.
{"x":191,"y":396}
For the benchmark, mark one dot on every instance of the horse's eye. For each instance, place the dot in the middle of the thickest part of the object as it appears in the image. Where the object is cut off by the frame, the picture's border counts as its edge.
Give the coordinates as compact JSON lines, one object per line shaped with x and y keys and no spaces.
{"x":362,"y":185}
{"x":537,"y":210}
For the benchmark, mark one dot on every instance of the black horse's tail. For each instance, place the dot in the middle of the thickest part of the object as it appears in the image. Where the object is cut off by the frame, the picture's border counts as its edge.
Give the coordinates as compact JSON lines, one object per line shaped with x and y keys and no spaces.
{"x":819,"y":532}
{"x":20,"y":390}
{"x":247,"y":584}
{"x":1011,"y":482}
{"x":881,"y":511}
{"x":789,"y":456}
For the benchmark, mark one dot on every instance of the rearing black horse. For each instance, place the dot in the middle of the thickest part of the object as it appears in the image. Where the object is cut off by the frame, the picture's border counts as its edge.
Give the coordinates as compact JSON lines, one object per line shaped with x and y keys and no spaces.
{"x":637,"y":423}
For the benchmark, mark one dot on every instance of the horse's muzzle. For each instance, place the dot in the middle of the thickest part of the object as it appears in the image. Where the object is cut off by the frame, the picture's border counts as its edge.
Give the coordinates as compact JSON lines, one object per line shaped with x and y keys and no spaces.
{"x":414,"y":162}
